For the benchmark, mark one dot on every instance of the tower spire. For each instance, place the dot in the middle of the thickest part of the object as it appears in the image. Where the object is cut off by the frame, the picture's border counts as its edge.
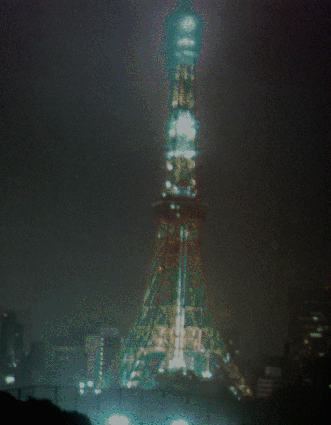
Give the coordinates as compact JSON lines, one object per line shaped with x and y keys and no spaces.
{"x":182,"y":129}
{"x":173,"y":330}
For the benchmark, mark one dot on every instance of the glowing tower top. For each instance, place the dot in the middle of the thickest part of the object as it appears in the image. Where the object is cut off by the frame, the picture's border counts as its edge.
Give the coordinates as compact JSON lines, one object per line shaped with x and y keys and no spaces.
{"x":182,"y":129}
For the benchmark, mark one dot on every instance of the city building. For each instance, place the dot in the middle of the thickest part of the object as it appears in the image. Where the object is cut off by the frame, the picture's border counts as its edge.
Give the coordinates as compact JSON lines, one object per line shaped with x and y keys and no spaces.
{"x":270,"y":377}
{"x":11,"y":340}
{"x":310,"y":324}
{"x":102,"y":350}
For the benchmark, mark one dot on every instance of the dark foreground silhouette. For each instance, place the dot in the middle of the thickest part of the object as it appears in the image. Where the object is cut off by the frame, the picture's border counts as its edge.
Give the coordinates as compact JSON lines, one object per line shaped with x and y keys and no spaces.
{"x":36,"y":412}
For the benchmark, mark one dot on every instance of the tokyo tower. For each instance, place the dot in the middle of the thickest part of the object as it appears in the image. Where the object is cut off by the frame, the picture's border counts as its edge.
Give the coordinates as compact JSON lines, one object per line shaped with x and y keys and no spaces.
{"x":173,"y":330}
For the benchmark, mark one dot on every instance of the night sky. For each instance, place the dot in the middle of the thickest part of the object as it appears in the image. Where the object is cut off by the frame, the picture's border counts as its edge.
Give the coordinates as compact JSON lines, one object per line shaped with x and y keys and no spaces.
{"x":84,"y":106}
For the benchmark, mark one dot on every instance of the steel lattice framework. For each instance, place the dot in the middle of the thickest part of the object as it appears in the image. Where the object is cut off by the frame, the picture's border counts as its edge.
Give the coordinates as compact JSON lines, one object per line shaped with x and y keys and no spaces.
{"x":173,"y":330}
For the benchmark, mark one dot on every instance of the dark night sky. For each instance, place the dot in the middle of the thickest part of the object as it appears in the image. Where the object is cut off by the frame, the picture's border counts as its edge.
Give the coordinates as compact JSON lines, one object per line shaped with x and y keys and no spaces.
{"x":84,"y":98}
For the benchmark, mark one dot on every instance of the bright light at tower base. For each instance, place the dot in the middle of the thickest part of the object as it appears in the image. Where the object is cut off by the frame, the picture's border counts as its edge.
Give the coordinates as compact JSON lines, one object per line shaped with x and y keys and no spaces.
{"x":117,"y":419}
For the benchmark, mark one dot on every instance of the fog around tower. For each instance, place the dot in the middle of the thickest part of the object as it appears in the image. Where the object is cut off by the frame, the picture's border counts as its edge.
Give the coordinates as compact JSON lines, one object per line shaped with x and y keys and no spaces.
{"x":84,"y":110}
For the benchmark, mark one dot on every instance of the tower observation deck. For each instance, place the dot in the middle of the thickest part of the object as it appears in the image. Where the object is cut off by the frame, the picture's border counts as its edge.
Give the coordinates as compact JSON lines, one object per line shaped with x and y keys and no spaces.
{"x":173,"y":330}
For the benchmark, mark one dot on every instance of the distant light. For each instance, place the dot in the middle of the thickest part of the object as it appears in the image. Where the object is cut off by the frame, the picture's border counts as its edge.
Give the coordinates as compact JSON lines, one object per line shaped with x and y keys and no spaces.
{"x":315,"y":318}
{"x":168,"y":184}
{"x":10,"y":379}
{"x":82,"y":385}
{"x":315,"y":335}
{"x":97,"y":391}
{"x":81,"y":391}
{"x":188,"y":24}
{"x":117,"y":419}
{"x":172,"y":206}
{"x":90,"y":384}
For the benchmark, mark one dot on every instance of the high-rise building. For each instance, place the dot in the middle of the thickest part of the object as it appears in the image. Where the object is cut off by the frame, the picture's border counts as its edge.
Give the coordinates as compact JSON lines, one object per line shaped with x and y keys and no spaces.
{"x":270,"y":377}
{"x":66,"y":364}
{"x":174,"y":330}
{"x":310,"y":324}
{"x":102,"y":349}
{"x":11,"y":340}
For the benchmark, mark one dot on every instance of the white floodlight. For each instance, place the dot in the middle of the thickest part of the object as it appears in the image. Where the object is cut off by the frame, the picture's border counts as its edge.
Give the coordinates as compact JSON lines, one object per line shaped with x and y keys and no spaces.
{"x":207,"y":374}
{"x":185,"y":42}
{"x":82,"y":385}
{"x":90,"y":384}
{"x":10,"y":379}
{"x":186,"y":125}
{"x":188,"y":24}
{"x":189,"y":154}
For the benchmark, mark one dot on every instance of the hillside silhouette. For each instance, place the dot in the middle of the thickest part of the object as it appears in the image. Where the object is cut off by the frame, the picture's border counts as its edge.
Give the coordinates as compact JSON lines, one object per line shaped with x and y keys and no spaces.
{"x":37,"y":412}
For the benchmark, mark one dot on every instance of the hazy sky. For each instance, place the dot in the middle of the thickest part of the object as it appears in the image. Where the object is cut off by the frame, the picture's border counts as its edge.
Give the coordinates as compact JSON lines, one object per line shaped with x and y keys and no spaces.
{"x":84,"y":105}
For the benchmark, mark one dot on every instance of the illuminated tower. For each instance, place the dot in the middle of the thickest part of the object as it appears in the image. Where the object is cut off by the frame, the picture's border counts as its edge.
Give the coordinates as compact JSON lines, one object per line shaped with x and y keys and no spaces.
{"x":173,"y":330}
